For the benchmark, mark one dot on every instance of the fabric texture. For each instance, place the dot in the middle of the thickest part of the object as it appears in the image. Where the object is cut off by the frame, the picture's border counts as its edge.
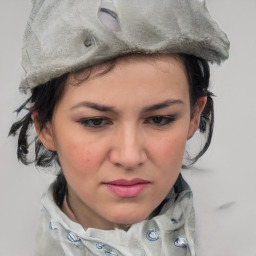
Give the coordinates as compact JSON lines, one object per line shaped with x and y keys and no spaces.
{"x":171,"y":232}
{"x":67,"y":35}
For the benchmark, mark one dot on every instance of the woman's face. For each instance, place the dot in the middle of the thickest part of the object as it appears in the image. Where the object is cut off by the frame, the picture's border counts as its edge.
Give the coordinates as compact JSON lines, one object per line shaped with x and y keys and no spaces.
{"x":120,"y":139}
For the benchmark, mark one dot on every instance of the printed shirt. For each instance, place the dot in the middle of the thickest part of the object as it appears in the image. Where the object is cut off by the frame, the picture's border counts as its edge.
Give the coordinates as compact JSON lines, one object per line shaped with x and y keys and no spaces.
{"x":171,"y":232}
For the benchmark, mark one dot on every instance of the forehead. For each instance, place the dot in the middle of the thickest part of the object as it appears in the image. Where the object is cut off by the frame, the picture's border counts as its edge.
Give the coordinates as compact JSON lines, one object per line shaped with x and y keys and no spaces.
{"x":130,"y":76}
{"x":159,"y":61}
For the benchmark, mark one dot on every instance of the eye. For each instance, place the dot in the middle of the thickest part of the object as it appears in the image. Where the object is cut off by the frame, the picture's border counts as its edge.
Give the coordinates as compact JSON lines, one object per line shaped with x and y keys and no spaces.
{"x":95,"y":122}
{"x":161,"y":120}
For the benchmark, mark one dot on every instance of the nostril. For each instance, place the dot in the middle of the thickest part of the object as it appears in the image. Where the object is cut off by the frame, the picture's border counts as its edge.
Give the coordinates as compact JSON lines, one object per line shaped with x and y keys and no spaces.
{"x":118,"y":165}
{"x":108,"y":16}
{"x":127,"y":162}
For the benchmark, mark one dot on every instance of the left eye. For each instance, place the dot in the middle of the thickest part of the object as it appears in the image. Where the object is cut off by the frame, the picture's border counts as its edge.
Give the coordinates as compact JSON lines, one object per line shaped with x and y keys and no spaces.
{"x":161,"y":120}
{"x":96,"y":122}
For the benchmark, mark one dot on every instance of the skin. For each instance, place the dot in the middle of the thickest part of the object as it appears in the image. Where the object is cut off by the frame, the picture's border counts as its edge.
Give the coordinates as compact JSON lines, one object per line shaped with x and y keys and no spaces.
{"x":126,"y":142}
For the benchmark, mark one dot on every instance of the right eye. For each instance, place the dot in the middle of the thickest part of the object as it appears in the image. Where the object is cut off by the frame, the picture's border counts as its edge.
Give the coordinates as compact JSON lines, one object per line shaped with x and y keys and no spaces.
{"x":95,"y":122}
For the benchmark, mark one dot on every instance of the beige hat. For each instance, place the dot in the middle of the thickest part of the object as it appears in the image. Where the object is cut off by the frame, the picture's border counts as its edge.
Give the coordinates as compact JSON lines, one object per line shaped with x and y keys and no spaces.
{"x":67,"y":35}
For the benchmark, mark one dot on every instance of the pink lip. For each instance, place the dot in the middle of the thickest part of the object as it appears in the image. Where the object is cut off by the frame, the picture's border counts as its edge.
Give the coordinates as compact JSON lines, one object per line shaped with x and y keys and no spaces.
{"x":126,"y":188}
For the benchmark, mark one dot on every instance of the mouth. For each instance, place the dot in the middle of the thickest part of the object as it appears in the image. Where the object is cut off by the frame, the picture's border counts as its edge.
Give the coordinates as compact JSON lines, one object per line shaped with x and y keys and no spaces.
{"x":127,"y":188}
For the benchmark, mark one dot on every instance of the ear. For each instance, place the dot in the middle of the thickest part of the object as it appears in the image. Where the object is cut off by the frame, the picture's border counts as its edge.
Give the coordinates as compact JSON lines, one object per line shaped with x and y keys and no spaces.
{"x":195,"y":119}
{"x":45,"y":134}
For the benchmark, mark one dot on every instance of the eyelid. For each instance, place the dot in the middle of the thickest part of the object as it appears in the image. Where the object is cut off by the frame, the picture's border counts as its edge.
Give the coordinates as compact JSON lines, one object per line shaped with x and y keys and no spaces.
{"x":86,"y":122}
{"x":104,"y":121}
{"x":169,"y":119}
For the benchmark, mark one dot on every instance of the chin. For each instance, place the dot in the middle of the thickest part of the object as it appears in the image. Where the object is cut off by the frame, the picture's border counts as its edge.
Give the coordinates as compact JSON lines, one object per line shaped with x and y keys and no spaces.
{"x":129,"y":218}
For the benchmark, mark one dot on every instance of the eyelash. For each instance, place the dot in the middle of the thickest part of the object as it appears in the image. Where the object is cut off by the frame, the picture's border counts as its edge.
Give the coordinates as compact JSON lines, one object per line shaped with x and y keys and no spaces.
{"x":88,"y":122}
{"x":153,"y":120}
{"x":164,"y":120}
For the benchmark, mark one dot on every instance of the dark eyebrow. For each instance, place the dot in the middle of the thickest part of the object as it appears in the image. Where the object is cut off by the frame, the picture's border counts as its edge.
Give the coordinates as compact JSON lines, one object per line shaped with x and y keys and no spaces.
{"x":161,"y":105}
{"x":92,"y":105}
{"x":104,"y":108}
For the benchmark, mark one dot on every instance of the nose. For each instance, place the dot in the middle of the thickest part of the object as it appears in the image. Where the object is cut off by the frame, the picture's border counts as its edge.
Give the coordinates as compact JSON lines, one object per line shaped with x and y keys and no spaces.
{"x":128,"y":149}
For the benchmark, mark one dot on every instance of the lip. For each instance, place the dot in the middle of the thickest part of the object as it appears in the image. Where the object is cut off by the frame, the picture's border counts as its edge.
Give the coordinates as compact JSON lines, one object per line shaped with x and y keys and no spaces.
{"x":127,"y":188}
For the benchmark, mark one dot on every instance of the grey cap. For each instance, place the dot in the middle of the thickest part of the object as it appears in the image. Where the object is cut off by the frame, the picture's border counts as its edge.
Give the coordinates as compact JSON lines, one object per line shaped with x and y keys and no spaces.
{"x":67,"y":35}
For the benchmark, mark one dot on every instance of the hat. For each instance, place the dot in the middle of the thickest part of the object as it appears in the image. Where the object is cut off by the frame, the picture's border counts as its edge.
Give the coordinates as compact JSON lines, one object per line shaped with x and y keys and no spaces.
{"x":68,"y":35}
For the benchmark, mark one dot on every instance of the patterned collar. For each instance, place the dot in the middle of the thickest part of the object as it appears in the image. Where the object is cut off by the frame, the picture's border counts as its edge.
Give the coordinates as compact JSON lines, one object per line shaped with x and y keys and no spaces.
{"x":171,"y":232}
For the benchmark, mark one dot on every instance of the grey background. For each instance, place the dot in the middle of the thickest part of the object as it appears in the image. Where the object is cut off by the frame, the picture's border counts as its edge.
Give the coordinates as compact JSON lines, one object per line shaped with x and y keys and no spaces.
{"x":224,"y":176}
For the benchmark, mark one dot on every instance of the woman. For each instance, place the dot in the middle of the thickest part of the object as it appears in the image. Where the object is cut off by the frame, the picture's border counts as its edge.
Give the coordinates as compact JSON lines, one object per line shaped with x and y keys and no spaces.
{"x":117,"y":90}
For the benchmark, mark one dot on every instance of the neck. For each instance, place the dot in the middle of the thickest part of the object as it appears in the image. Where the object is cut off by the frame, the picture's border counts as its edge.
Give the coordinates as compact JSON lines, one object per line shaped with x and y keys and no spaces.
{"x":74,"y":208}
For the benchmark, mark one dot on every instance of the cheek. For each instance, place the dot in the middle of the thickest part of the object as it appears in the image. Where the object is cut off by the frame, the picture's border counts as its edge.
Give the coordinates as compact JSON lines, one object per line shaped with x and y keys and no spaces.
{"x":80,"y":156}
{"x":169,"y":151}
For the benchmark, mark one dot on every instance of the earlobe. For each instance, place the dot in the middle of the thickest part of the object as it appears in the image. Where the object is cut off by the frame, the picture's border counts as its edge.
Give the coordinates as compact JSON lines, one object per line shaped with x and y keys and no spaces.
{"x":195,"y":120}
{"x":45,"y":134}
